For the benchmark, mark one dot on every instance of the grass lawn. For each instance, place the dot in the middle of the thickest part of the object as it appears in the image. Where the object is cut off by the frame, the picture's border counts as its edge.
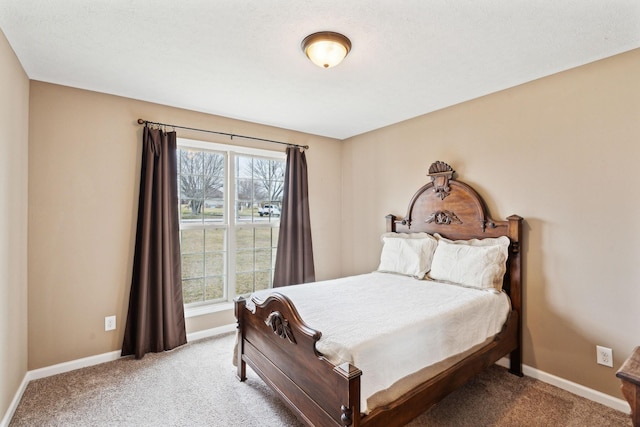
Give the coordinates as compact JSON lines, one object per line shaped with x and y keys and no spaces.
{"x":203,"y":256}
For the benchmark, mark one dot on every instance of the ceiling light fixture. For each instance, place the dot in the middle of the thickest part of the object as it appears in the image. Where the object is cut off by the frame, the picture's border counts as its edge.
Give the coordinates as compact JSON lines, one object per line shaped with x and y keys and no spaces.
{"x":326,"y":49}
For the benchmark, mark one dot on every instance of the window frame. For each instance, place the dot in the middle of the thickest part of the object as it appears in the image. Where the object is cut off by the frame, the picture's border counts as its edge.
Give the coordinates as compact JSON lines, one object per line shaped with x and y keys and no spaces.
{"x":229,"y":222}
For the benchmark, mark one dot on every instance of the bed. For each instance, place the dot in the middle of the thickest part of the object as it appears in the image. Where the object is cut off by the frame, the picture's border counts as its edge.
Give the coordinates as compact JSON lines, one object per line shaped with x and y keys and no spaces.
{"x":326,"y":384}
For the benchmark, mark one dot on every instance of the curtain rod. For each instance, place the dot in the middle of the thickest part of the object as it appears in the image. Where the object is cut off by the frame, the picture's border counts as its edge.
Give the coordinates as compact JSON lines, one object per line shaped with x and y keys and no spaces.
{"x":231,"y":135}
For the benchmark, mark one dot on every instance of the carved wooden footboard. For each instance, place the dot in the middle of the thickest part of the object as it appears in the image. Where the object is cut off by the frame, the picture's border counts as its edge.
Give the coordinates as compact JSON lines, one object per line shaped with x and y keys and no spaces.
{"x":281,"y":348}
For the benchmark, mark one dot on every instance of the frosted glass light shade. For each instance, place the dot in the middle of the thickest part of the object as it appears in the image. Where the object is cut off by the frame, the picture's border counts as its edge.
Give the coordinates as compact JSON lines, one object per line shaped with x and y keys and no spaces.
{"x":326,"y":49}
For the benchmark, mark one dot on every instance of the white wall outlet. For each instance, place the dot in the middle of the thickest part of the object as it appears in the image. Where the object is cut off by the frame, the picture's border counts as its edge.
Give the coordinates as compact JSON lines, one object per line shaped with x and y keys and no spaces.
{"x":604,"y":356}
{"x":109,"y":323}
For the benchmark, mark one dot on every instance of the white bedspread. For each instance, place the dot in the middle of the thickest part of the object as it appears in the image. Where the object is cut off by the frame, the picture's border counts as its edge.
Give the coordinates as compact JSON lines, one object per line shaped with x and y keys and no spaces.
{"x":391,"y":326}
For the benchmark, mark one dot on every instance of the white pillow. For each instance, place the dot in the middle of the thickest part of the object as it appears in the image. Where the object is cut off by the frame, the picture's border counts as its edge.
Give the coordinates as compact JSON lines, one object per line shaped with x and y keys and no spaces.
{"x":407,"y":254}
{"x":476,"y":263}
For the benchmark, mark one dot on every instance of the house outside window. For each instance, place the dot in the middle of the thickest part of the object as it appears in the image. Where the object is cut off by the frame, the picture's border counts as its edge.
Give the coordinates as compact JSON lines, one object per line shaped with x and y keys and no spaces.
{"x":229,"y":208}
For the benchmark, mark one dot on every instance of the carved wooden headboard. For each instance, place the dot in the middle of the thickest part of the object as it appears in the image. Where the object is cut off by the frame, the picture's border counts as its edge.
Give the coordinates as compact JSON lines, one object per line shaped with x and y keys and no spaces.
{"x":455,"y":210}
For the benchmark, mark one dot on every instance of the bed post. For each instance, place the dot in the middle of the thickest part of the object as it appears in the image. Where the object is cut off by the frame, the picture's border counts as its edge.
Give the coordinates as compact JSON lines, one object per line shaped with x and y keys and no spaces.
{"x":240,"y":304}
{"x":351,"y":410}
{"x":515,"y":288}
{"x":391,"y":223}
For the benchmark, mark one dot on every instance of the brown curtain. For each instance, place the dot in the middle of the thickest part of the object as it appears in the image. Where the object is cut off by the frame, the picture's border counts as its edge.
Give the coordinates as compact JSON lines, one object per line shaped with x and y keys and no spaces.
{"x":294,"y":259}
{"x":155,"y":321}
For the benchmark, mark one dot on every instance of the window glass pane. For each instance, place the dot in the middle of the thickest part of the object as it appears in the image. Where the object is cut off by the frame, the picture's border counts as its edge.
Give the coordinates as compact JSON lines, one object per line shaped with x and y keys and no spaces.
{"x":246,"y":208}
{"x":186,"y":212}
{"x":244,"y":189}
{"x":191,"y":201}
{"x":190,"y":161}
{"x":191,"y":241}
{"x":192,"y":291}
{"x":244,"y":167}
{"x":192,"y":266}
{"x":244,"y":261}
{"x":213,"y":168}
{"x":214,"y":239}
{"x":214,"y":263}
{"x":263,"y":237}
{"x":263,"y":259}
{"x":244,"y":283}
{"x":244,"y":238}
{"x":213,"y":210}
{"x":192,"y":187}
{"x":263,"y":280}
{"x":269,"y":177}
{"x":214,"y":287}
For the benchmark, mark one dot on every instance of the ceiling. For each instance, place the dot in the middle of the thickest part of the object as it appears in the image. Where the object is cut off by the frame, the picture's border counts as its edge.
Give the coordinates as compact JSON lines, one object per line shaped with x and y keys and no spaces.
{"x":242,"y":58}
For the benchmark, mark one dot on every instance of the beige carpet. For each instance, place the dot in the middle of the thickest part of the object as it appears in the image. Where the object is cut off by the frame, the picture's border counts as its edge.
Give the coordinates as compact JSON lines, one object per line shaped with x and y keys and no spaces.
{"x":195,"y":385}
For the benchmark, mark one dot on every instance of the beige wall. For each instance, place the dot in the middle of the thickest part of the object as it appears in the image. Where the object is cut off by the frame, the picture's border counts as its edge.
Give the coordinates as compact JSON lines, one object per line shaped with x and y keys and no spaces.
{"x":14,"y":118}
{"x":84,"y":162}
{"x":563,"y":153}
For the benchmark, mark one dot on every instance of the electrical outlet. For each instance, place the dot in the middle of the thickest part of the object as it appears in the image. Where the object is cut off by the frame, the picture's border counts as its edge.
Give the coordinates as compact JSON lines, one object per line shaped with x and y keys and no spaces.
{"x":604,"y":356}
{"x":109,"y":323}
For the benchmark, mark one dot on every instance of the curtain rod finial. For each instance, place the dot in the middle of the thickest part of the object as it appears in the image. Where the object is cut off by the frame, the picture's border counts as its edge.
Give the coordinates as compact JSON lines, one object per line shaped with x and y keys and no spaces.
{"x":141,"y":122}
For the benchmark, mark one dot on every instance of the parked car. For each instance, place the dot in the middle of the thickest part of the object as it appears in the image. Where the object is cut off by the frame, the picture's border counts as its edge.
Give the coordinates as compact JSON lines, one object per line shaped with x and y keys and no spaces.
{"x":269,"y":210}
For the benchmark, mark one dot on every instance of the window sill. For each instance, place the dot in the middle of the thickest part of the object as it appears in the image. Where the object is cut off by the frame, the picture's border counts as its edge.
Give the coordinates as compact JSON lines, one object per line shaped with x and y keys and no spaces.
{"x":207,"y":309}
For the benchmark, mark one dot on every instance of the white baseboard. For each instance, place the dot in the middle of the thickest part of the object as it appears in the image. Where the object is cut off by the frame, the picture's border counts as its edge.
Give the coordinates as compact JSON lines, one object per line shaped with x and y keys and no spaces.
{"x":114,"y":355}
{"x":580,"y":390}
{"x":72,"y":365}
{"x":90,"y":361}
{"x":14,"y":403}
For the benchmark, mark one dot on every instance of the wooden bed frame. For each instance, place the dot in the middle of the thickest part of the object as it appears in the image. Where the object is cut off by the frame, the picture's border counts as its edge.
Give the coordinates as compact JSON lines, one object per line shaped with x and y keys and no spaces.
{"x":280,"y":347}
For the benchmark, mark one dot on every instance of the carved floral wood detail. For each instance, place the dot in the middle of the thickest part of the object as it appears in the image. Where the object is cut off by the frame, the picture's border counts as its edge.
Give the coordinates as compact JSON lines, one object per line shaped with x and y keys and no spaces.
{"x":443,"y":218}
{"x":280,"y":326}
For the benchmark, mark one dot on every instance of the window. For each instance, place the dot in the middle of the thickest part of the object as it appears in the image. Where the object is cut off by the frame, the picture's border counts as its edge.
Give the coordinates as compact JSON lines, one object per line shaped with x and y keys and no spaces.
{"x":229,"y":204}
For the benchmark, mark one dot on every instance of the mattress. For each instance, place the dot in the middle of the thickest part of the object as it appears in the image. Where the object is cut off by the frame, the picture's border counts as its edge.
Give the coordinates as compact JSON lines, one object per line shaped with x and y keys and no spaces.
{"x":392,"y":326}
